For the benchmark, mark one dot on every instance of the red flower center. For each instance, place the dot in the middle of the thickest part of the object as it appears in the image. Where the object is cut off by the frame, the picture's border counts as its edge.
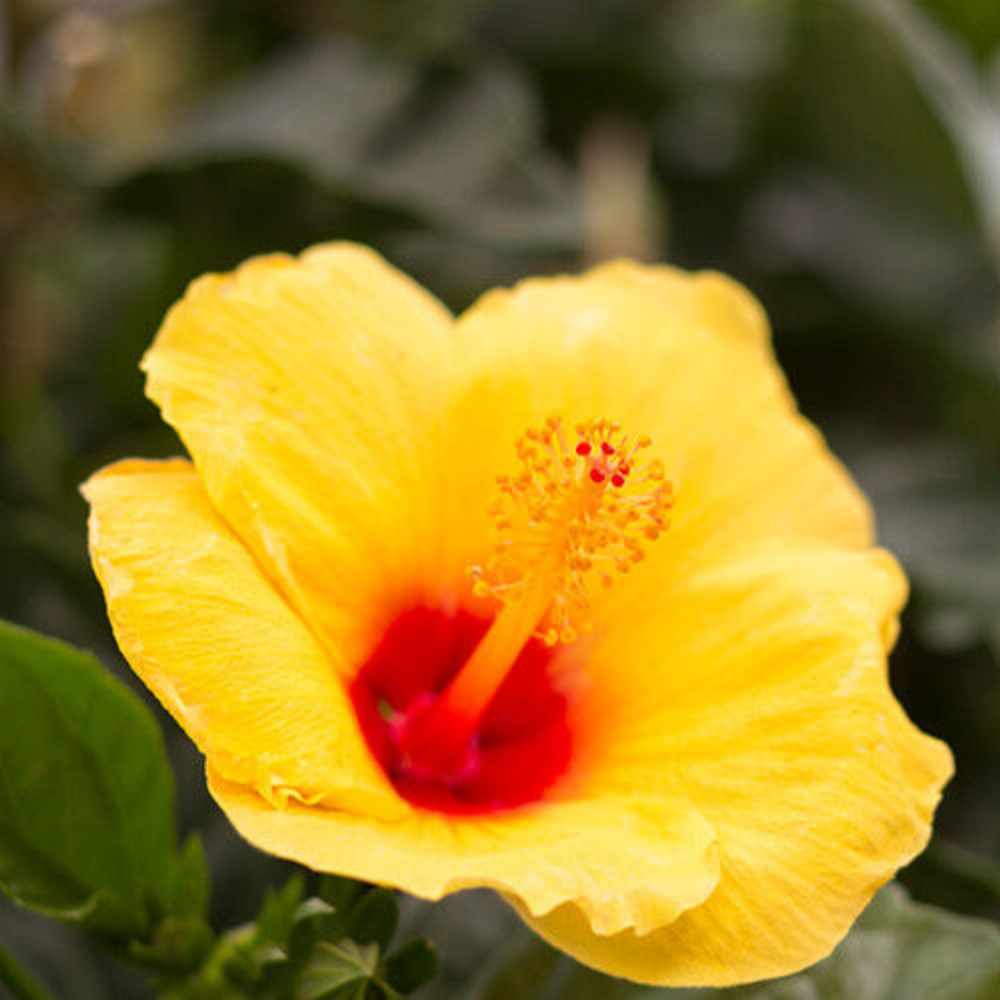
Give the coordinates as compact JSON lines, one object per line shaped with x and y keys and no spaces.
{"x":462,"y":712}
{"x":520,"y":747}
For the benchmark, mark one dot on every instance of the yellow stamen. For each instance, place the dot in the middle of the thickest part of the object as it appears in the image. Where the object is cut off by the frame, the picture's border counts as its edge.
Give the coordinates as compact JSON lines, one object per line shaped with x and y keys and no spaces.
{"x":565,"y":522}
{"x":577,"y":511}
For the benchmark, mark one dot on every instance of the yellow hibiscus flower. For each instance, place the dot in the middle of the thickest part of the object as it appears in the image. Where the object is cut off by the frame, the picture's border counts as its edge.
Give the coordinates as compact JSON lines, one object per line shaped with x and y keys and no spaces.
{"x":561,"y":597}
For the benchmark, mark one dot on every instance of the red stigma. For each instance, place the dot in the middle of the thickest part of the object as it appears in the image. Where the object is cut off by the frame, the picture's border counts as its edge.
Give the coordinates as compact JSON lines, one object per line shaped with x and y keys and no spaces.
{"x":618,"y":479}
{"x":597,"y":476}
{"x":607,"y":448}
{"x":583,"y":448}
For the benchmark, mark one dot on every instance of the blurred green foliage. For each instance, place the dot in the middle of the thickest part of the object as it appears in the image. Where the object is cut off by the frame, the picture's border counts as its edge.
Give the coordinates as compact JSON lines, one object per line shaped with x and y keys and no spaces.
{"x":841,"y":157}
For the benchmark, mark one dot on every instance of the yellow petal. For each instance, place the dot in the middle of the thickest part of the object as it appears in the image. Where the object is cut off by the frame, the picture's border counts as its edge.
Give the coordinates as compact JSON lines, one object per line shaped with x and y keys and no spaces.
{"x":685,"y":358}
{"x":212,"y":638}
{"x":625,"y":862}
{"x":759,"y":688}
{"x":308,"y":393}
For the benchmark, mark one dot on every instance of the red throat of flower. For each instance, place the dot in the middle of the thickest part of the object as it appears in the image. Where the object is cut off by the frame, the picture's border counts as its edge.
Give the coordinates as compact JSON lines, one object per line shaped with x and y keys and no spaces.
{"x":462,"y":712}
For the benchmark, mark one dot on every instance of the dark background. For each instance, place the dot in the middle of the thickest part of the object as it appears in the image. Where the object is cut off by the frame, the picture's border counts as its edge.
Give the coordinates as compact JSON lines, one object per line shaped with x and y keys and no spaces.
{"x":841,"y":158}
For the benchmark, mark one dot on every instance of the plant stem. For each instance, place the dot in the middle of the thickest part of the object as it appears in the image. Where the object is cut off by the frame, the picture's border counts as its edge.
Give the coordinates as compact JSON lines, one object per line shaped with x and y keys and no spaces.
{"x":18,"y":980}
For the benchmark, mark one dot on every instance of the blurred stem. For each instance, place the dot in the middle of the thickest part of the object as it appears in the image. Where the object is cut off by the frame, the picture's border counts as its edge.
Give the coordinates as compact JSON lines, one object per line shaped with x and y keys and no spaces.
{"x":18,"y":980}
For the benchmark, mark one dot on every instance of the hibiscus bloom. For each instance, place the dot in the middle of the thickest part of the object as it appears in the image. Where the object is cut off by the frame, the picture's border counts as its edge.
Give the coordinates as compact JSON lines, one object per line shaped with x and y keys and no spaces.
{"x":562,"y":597}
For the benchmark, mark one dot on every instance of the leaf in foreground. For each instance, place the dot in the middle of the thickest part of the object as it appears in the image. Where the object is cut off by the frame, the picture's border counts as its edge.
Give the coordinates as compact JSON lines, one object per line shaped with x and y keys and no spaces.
{"x":337,"y":966}
{"x":86,"y":795}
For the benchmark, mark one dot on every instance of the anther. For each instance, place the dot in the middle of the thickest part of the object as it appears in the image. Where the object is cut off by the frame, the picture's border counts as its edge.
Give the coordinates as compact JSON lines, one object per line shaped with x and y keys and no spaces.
{"x":557,"y":515}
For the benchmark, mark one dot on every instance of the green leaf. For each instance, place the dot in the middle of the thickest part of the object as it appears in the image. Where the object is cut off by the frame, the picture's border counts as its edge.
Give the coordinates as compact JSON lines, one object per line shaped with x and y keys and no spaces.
{"x":408,"y":968}
{"x":374,"y":919}
{"x":953,"y":86}
{"x":898,"y":950}
{"x":311,"y":909}
{"x":176,"y":947}
{"x":975,"y":21}
{"x":277,"y":913}
{"x":339,"y":892}
{"x":190,"y":889}
{"x":312,"y":920}
{"x":86,"y":813}
{"x":888,"y":214}
{"x":336,"y":967}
